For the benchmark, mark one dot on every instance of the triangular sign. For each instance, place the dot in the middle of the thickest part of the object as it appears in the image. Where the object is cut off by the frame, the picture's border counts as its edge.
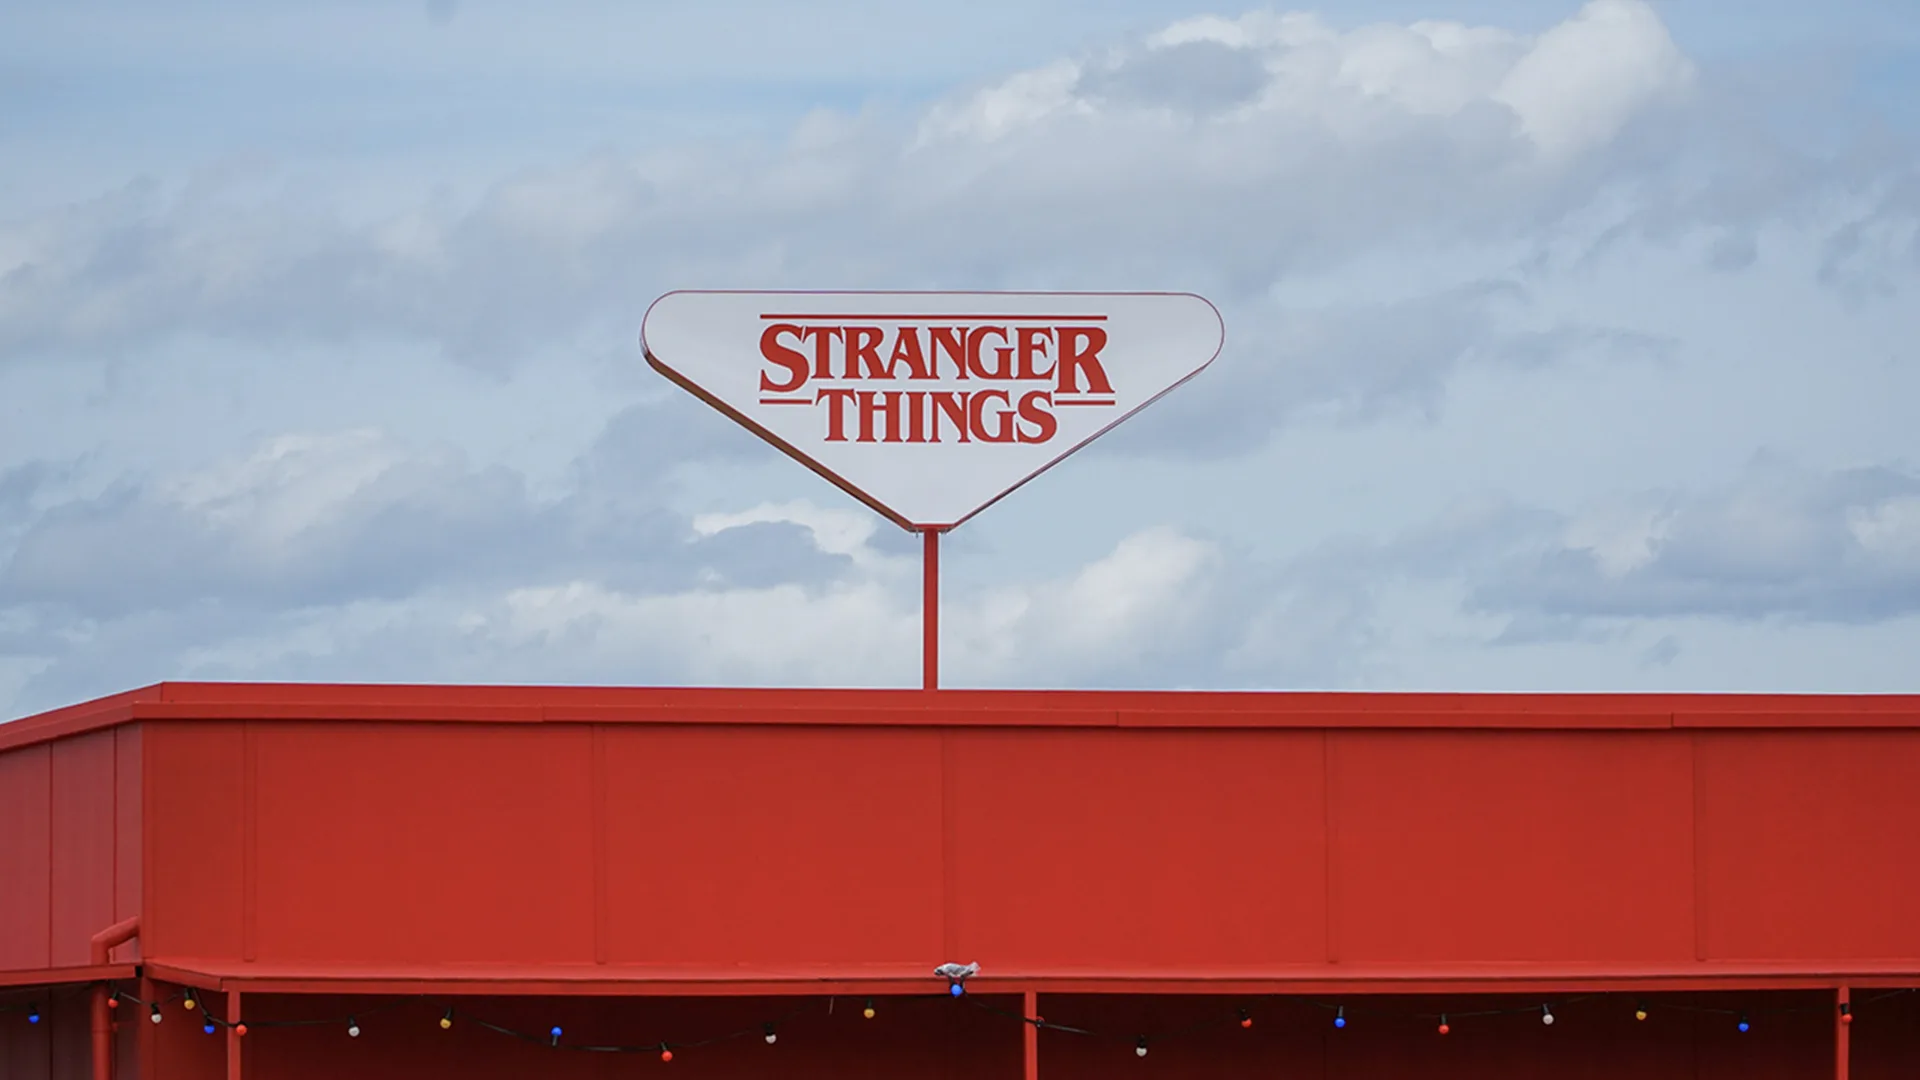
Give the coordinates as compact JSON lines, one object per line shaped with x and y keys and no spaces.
{"x":929,"y":407}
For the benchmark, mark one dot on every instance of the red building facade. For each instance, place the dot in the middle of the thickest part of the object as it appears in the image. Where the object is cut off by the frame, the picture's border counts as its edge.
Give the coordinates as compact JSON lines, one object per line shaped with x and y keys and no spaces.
{"x":692,"y":870}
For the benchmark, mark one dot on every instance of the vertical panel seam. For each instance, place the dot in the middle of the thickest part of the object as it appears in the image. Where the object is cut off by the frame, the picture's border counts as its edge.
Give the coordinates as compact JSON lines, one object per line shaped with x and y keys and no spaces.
{"x":249,"y":842}
{"x":1329,"y":835}
{"x":50,"y":850}
{"x":1699,"y":871}
{"x":597,"y":767}
{"x":949,"y":855}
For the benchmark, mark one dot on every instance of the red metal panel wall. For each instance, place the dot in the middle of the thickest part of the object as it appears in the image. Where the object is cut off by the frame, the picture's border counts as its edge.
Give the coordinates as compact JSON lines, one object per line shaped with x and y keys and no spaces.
{"x":1037,"y":850}
{"x":771,"y":846}
{"x":195,"y":837}
{"x":1811,"y":844}
{"x":1512,"y":845}
{"x":83,"y":792}
{"x":26,"y":857}
{"x":1109,"y":850}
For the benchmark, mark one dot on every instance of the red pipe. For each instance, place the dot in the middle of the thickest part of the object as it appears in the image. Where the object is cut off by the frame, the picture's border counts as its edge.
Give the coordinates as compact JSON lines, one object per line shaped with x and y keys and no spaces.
{"x":930,"y":610}
{"x":1844,"y":1004}
{"x":101,"y":954}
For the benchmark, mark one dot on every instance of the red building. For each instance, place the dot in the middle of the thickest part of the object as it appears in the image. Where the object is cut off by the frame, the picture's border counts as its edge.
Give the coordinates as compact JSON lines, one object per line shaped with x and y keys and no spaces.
{"x":453,"y":873}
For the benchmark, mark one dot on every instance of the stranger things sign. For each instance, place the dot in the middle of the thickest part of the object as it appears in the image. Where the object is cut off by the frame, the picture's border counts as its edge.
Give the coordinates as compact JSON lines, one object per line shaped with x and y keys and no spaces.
{"x":929,"y":407}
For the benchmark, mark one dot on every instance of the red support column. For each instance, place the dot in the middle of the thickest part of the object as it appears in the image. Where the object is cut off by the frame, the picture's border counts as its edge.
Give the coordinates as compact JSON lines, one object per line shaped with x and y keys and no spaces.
{"x":1843,"y":1002}
{"x":233,"y":1035}
{"x":1031,"y":1010}
{"x":930,"y":611}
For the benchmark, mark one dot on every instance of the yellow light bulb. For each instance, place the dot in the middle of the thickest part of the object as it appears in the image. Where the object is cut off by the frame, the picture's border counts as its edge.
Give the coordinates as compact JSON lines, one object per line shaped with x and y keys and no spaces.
{"x":1639,"y":1014}
{"x":188,"y":1004}
{"x":445,"y":1023}
{"x":867,"y":1012}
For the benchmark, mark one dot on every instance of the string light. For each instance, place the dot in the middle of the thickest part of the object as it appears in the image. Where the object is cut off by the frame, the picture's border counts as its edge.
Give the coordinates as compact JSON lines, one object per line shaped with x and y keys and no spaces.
{"x":353,"y":1028}
{"x":1245,"y":1020}
{"x":240,"y":1030}
{"x":771,"y":1037}
{"x":155,"y":1014}
{"x":1443,"y":1024}
{"x":1340,"y":1016}
{"x":554,"y":1033}
{"x":187,"y":1002}
{"x":1546,"y":1015}
{"x":113,"y":1002}
{"x":446,"y":1020}
{"x":1140,"y":1048}
{"x":665,"y":1054}
{"x":1846,"y":1013}
{"x":208,"y":1026}
{"x":1744,"y":1026}
{"x":33,"y":1014}
{"x":868,"y":1011}
{"x":1640,"y":1011}
{"x":956,"y":989}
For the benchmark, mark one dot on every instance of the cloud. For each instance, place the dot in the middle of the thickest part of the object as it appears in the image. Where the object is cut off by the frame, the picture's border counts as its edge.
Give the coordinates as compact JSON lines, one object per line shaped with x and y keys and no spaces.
{"x":1227,"y":154}
{"x":1778,"y":543}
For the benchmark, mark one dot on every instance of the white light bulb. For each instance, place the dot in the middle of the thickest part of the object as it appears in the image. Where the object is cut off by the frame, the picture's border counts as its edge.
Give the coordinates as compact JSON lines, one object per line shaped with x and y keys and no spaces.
{"x":353,"y":1030}
{"x":772,"y":1038}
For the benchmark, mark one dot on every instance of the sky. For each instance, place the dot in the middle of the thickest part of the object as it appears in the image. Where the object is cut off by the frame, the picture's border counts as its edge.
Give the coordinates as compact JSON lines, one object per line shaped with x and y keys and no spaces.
{"x":1569,"y":347}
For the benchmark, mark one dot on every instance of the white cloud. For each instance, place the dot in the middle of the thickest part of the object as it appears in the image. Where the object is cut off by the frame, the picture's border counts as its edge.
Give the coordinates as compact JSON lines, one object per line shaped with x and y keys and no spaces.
{"x":1584,"y":79}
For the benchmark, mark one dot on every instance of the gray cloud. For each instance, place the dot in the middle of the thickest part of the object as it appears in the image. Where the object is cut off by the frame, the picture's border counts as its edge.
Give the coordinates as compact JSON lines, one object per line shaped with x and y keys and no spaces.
{"x":1196,"y":76}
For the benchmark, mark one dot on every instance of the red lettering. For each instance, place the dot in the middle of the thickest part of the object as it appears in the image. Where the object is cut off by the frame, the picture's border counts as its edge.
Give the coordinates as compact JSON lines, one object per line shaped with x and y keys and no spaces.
{"x":949,"y":340}
{"x":1036,"y":409}
{"x":863,"y":349}
{"x":976,"y":416}
{"x":1080,"y":353}
{"x":822,"y":347}
{"x":906,"y":350}
{"x":1033,"y":344}
{"x":836,"y":412}
{"x":784,"y":357}
{"x":887,"y":408}
{"x":951,"y":404}
{"x":1002,"y":354}
{"x":916,"y":416}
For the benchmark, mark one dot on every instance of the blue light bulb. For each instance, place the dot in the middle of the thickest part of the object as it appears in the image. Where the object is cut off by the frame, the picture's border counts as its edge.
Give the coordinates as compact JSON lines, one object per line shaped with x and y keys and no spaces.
{"x":956,"y":989}
{"x":33,"y":1016}
{"x":1744,"y":1025}
{"x":1340,"y":1017}
{"x":555,"y":1032}
{"x":207,"y":1027}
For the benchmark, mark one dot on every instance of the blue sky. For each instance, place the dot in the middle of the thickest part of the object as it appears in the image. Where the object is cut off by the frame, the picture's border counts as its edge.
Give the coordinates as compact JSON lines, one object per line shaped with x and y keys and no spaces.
{"x":1570,"y":347}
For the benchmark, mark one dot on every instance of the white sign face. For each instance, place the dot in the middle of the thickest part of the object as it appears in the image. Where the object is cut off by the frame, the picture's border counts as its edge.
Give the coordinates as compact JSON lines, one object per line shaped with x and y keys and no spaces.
{"x":929,"y":407}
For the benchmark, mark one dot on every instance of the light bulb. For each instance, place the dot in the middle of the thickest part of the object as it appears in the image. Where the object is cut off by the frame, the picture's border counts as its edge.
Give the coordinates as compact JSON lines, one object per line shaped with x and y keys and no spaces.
{"x":956,"y":989}
{"x":1546,"y":1015}
{"x":1140,"y":1048}
{"x":155,"y":1014}
{"x":33,"y":1014}
{"x":240,"y":1030}
{"x":1744,"y":1026}
{"x":771,"y":1037}
{"x":1245,"y":1020}
{"x":207,"y":1027}
{"x":1640,"y":1011}
{"x":666,"y":1054}
{"x":446,"y":1020}
{"x":868,"y":1011}
{"x":188,"y":1003}
{"x":1846,"y":1013}
{"x":1443,"y":1024}
{"x":1340,"y":1017}
{"x":554,"y":1033}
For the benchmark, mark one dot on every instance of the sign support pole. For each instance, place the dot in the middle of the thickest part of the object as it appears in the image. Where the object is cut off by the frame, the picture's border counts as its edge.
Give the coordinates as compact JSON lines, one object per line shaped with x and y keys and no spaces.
{"x":930,"y":610}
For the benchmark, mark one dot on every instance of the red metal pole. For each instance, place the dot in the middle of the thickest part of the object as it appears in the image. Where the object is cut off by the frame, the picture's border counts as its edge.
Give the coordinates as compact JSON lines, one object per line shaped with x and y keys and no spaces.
{"x":1031,"y":1011}
{"x":233,"y":1035}
{"x":930,"y":611}
{"x":100,"y":952}
{"x":1842,"y":1001}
